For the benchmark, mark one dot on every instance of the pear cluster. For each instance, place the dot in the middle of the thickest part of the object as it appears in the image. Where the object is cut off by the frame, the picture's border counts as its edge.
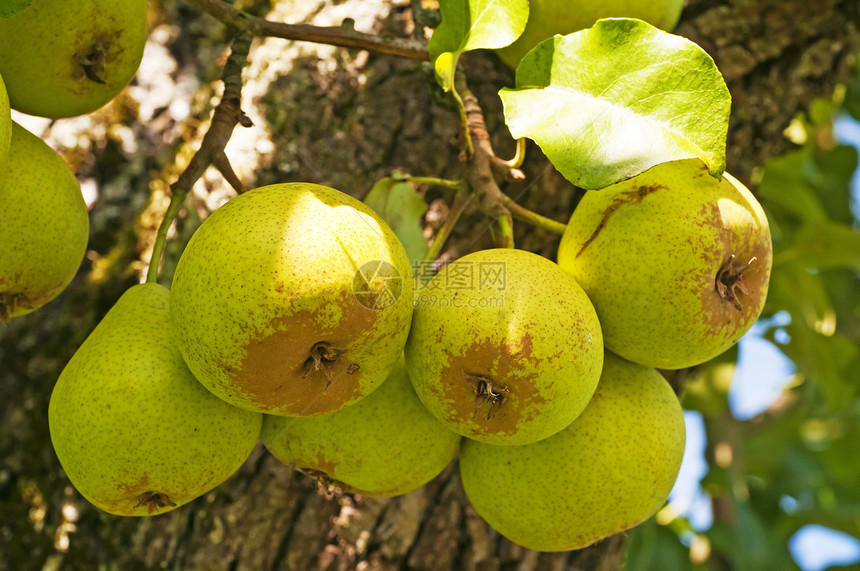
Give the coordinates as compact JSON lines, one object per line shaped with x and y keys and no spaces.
{"x":296,"y":319}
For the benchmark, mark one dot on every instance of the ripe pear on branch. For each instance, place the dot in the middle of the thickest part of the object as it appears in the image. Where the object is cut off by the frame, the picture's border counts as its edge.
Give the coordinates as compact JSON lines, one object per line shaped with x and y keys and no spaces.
{"x":386,"y":444}
{"x":609,"y":470}
{"x":293,"y":299}
{"x":45,"y":225}
{"x":677,"y":262}
{"x":63,"y":58}
{"x":133,"y":429}
{"x":505,"y":346}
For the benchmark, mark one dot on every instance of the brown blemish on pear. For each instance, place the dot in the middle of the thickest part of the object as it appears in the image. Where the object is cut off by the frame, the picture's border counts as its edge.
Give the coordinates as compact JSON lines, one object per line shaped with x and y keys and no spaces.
{"x":303,"y":368}
{"x":489,"y":393}
{"x":487,"y":389}
{"x":153,"y":501}
{"x":323,"y":358}
{"x":729,"y":282}
{"x":631,"y":197}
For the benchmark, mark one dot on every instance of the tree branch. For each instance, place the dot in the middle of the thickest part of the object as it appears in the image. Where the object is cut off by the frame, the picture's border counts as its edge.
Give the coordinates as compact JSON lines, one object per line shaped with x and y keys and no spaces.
{"x":343,"y":36}
{"x":226,"y":116}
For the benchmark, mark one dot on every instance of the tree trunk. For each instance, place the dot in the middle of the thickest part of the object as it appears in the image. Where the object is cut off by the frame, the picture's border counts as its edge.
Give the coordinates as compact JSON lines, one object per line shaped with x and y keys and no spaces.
{"x":345,"y":125}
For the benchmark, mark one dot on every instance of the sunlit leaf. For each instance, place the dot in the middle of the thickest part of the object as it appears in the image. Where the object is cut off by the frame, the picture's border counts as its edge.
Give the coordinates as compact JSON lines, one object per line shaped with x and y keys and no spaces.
{"x":12,"y":7}
{"x":611,"y":101}
{"x":402,"y":207}
{"x":470,"y":25}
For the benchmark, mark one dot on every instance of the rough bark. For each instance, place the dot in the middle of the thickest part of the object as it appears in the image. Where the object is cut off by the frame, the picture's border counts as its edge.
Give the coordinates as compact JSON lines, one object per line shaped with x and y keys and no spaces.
{"x":345,"y":126}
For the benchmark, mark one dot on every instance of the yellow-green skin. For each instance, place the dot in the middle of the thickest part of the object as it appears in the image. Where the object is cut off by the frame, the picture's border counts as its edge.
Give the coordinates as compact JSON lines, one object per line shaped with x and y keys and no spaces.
{"x":276,"y":271}
{"x":45,"y":225}
{"x":550,"y":17}
{"x":610,"y":470}
{"x":134,"y":431}
{"x":385,"y":445}
{"x":518,"y":320}
{"x":648,"y":251}
{"x":5,"y":122}
{"x":63,"y":58}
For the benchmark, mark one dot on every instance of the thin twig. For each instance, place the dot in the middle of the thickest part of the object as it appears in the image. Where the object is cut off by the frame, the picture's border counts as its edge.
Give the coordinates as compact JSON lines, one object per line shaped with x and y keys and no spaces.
{"x":221,"y":162}
{"x":343,"y":36}
{"x":434,"y":181}
{"x":538,"y":220}
{"x":226,"y":116}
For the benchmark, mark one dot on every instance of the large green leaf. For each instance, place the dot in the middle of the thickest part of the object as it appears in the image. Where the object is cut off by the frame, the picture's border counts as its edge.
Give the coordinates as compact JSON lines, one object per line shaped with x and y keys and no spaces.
{"x":470,"y":25}
{"x":402,"y":207}
{"x":611,"y":101}
{"x":11,"y":7}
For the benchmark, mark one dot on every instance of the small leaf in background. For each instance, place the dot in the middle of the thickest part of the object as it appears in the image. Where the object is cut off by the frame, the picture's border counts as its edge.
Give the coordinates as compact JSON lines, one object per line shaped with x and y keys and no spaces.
{"x":609,"y":102}
{"x":402,"y":207}
{"x":823,"y":245}
{"x":786,"y":193}
{"x":470,"y":25}
{"x":11,"y":7}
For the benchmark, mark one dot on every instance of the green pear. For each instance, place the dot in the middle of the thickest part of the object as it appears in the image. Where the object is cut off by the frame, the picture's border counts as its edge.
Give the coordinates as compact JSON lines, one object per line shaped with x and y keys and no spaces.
{"x":386,"y":444}
{"x":63,"y":58}
{"x":550,"y":17}
{"x":292,"y":299}
{"x":5,"y":122}
{"x":45,"y":225}
{"x":133,"y":429}
{"x":676,"y":262}
{"x":610,"y":470}
{"x":505,"y":347}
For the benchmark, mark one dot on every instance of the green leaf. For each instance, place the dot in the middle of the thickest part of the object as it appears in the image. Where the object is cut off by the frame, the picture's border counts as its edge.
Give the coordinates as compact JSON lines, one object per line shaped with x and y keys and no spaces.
{"x":654,"y":546}
{"x":470,"y":25}
{"x":402,"y":207}
{"x":824,"y":245}
{"x":12,"y":7}
{"x":611,"y":101}
{"x":783,"y":186}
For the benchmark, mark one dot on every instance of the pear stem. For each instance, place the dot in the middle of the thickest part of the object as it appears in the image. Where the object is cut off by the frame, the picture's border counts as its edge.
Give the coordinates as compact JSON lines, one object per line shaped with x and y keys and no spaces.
{"x":433,"y":181}
{"x":519,"y":155}
{"x":225,"y":117}
{"x":525,"y":215}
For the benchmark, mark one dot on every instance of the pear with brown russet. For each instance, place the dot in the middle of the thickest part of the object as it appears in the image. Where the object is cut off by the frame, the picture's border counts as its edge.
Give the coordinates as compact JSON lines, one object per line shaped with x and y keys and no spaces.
{"x":505,"y":346}
{"x":292,"y":299}
{"x":63,"y":58}
{"x":133,"y":429}
{"x":677,"y":262}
